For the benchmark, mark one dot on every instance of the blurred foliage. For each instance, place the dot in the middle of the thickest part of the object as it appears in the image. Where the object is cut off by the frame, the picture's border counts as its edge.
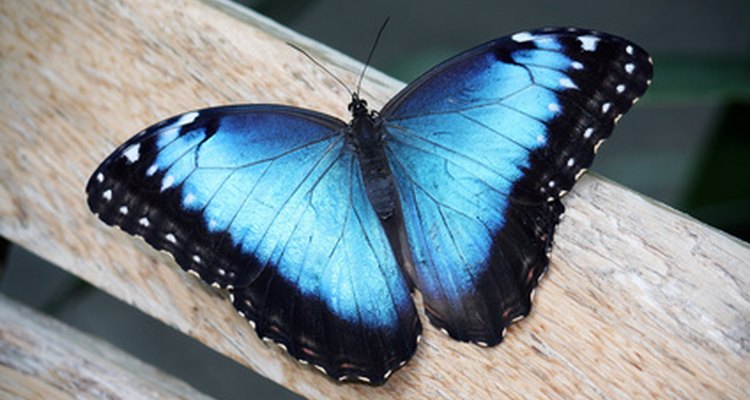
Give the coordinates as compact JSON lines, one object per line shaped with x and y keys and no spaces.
{"x":409,"y":68}
{"x":4,"y":247}
{"x":720,"y":191}
{"x":719,"y":187}
{"x":281,"y":11}
{"x":686,"y":78}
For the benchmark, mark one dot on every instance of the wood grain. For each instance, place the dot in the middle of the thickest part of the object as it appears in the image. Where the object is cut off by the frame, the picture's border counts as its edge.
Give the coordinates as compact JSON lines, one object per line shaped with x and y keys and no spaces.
{"x":41,"y":358}
{"x":640,"y":301}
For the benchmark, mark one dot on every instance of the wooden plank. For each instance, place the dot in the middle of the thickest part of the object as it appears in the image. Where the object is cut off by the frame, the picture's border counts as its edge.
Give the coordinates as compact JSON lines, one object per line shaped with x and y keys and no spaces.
{"x":640,"y":300}
{"x":42,"y":358}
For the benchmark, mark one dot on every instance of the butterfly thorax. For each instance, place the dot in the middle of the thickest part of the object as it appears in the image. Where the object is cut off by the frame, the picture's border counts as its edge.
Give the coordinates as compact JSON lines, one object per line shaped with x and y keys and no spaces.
{"x":365,"y":136}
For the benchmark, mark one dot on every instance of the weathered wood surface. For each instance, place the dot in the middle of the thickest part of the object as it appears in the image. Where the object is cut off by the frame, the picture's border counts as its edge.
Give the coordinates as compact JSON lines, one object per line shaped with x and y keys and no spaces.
{"x":640,"y":301}
{"x":41,"y":358}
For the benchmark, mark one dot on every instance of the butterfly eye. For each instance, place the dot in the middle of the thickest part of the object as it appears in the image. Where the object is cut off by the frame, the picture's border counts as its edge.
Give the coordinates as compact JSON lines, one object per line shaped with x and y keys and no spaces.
{"x":357,"y":106}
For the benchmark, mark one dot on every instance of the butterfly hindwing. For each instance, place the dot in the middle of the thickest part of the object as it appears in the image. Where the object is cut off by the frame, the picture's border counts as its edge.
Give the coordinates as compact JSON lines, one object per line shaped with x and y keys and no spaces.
{"x":362,"y":282}
{"x":483,"y":146}
{"x":267,"y":201}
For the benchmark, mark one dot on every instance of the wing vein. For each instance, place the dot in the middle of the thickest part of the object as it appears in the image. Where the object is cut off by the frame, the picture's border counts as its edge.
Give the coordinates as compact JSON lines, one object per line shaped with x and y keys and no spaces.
{"x":427,"y":193}
{"x":450,"y":151}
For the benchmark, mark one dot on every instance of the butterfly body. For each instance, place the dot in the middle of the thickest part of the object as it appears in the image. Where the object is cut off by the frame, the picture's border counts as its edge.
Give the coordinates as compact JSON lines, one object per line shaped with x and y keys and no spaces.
{"x":321,"y":230}
{"x":365,"y":136}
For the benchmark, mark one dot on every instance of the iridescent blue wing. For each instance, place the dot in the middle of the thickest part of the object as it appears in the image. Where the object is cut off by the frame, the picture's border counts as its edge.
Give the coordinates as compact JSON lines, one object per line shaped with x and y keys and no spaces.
{"x":483,"y":146}
{"x":268,"y":202}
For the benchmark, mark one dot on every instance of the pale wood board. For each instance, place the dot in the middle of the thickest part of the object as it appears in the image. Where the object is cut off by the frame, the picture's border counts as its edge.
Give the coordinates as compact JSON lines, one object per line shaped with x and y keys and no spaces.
{"x":640,"y":301}
{"x":42,"y":358}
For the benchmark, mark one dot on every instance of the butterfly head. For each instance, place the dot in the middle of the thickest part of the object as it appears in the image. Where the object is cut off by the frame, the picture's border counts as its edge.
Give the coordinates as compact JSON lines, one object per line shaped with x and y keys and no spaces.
{"x":358,"y":107}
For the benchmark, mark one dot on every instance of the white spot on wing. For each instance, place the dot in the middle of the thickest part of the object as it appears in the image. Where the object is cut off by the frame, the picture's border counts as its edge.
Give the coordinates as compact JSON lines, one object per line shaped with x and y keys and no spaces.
{"x":189,"y":198}
{"x":567,"y":83}
{"x":100,"y":177}
{"x":107,"y":195}
{"x":170,"y":237}
{"x":144,"y":221}
{"x":571,"y":162}
{"x":151,"y":170}
{"x":620,"y":88}
{"x":554,"y":107}
{"x":629,"y":50}
{"x":170,"y":132}
{"x":167,"y":182}
{"x":187,"y":118}
{"x":629,"y":68}
{"x":523,"y":37}
{"x":196,"y":258}
{"x":587,"y":133}
{"x":606,"y":107}
{"x":588,"y":43}
{"x":576,"y":65}
{"x":132,"y":153}
{"x":124,"y":210}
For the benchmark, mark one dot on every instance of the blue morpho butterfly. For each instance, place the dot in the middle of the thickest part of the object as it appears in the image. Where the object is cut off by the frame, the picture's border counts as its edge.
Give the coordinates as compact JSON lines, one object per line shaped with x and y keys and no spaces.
{"x":320,"y":229}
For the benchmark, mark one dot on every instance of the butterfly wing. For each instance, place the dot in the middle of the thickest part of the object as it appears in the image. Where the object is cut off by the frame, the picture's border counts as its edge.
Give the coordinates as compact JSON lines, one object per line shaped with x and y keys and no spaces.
{"x":268,"y":202}
{"x":483,"y":146}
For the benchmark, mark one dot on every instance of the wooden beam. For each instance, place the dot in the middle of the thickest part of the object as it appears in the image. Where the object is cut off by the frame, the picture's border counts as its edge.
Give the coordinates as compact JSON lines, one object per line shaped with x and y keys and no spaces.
{"x":41,"y":358}
{"x":640,"y":300}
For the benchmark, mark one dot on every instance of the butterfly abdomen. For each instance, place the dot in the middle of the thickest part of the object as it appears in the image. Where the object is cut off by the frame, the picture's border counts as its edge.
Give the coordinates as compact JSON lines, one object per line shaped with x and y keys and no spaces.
{"x":367,"y":139}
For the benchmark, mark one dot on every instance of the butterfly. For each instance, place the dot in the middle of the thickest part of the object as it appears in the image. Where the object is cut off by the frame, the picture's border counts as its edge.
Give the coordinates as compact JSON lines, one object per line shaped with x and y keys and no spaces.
{"x":321,"y":230}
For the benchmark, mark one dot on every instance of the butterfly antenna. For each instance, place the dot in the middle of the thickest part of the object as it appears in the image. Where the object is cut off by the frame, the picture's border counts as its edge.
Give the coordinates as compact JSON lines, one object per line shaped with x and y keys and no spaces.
{"x":295,"y":47}
{"x":372,"y":51}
